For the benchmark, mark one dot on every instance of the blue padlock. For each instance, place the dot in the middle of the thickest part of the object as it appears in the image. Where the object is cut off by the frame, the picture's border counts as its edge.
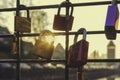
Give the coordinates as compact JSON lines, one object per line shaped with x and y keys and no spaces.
{"x":111,"y":23}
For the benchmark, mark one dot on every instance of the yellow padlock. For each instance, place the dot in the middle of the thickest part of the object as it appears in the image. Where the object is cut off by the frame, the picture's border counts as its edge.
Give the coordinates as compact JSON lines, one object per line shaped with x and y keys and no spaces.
{"x":44,"y":47}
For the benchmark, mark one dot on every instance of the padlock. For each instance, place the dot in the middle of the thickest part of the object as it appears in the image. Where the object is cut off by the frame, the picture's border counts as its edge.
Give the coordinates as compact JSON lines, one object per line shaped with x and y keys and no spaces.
{"x":23,"y":24}
{"x":63,"y":22}
{"x":42,"y":48}
{"x":78,"y":52}
{"x":111,"y":23}
{"x":14,"y":45}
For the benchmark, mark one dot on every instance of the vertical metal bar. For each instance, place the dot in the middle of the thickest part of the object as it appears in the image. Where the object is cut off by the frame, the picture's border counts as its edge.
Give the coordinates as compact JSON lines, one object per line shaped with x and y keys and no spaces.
{"x":17,"y":5}
{"x":79,"y":73}
{"x":114,"y":2}
{"x":18,"y":77}
{"x":67,"y":43}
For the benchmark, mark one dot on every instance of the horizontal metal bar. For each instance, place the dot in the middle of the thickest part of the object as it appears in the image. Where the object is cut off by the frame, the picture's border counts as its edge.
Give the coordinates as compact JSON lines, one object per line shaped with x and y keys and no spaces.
{"x":46,"y":61}
{"x":94,"y":3}
{"x":39,"y":61}
{"x":56,"y":6}
{"x":8,"y":60}
{"x":104,"y":60}
{"x":56,"y":34}
{"x":6,"y":35}
{"x":8,"y":9}
{"x":28,"y":61}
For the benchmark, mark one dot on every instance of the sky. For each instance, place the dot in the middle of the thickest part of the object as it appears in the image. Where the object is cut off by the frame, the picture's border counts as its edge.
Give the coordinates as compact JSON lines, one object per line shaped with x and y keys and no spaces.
{"x":90,"y":17}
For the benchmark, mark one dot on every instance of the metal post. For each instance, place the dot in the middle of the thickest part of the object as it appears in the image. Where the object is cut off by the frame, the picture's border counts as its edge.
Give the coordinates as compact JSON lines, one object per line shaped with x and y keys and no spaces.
{"x":114,"y":2}
{"x":67,"y":43}
{"x":18,"y":77}
{"x":80,"y":73}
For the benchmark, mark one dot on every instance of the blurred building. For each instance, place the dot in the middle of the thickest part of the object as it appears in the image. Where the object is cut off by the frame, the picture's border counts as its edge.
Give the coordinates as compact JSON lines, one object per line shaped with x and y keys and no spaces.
{"x":111,"y":54}
{"x":94,"y":55}
{"x":111,"y":50}
{"x":5,"y":44}
{"x":59,"y":52}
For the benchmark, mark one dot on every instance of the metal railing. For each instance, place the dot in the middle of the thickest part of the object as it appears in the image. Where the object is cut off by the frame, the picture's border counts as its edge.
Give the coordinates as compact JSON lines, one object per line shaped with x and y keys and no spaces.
{"x":67,"y":33}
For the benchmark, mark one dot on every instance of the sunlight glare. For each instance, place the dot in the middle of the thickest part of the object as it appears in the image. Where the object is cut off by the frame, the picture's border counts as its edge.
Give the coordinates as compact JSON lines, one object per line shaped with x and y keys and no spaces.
{"x":49,"y":39}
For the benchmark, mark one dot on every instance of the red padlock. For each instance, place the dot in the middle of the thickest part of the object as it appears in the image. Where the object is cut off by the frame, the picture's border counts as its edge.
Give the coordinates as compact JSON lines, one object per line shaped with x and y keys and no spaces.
{"x":62,"y":22}
{"x":78,"y":52}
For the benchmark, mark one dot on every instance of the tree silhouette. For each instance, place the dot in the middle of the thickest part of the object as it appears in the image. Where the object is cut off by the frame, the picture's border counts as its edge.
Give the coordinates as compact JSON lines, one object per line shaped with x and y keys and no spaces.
{"x":39,"y":20}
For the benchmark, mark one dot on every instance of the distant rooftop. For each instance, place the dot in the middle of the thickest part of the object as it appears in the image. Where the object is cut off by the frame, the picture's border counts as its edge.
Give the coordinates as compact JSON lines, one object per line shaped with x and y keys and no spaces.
{"x":111,"y":43}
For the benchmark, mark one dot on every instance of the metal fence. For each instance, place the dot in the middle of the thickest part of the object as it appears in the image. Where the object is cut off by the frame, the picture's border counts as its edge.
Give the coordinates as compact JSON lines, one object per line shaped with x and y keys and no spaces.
{"x":67,"y":34}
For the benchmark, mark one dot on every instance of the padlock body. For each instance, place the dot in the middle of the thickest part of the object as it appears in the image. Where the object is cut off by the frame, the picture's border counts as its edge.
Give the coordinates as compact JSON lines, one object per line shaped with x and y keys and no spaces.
{"x":43,"y":50}
{"x":110,"y":32}
{"x":61,"y":23}
{"x":111,"y":23}
{"x":22,"y":24}
{"x":78,"y":54}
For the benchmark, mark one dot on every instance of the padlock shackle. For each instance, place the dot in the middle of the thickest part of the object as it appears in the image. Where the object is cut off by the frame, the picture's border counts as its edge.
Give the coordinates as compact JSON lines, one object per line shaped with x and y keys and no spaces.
{"x":81,"y":30}
{"x":23,"y":6}
{"x":64,"y":3}
{"x":114,"y":2}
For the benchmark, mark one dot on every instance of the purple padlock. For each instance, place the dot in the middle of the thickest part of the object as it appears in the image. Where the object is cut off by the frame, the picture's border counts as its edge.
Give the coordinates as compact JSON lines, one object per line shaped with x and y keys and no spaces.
{"x":111,"y":23}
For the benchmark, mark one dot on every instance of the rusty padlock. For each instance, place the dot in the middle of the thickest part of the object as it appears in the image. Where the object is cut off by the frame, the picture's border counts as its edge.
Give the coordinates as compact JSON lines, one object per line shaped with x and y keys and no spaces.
{"x":14,"y":45}
{"x":23,"y":24}
{"x":44,"y":47}
{"x":112,"y":20}
{"x":78,"y":52}
{"x":62,"y":22}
